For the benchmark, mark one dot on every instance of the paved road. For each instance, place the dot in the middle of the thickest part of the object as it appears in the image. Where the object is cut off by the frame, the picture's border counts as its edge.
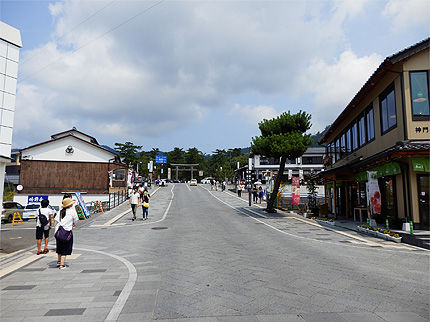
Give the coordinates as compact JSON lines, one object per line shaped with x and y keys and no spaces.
{"x":206,"y":256}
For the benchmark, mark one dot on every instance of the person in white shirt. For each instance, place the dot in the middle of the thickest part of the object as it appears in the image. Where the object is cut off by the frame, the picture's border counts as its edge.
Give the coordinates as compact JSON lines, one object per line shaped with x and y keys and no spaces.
{"x":67,"y":218}
{"x":134,"y":201}
{"x":43,"y":231}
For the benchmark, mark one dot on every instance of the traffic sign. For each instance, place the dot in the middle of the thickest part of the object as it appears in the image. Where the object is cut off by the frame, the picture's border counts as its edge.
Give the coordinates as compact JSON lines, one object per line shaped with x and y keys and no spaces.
{"x":160,"y":159}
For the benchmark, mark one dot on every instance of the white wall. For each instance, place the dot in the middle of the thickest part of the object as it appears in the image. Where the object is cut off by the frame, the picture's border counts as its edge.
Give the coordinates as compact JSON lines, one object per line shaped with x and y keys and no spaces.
{"x":56,"y":151}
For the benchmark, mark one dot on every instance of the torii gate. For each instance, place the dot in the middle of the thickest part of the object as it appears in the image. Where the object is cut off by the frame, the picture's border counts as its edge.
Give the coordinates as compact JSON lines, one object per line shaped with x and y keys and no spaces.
{"x":188,"y":167}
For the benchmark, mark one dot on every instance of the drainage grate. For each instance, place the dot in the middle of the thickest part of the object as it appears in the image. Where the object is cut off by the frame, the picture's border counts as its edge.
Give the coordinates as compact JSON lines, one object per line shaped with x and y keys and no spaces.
{"x":159,"y":228}
{"x":323,"y":238}
{"x":345,"y":241}
{"x":19,"y":287}
{"x":94,"y":270}
{"x":61,"y":312}
{"x":117,"y":293}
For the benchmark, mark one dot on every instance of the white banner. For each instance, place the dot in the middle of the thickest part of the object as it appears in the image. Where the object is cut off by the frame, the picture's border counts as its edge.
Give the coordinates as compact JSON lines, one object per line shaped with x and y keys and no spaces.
{"x":290,"y":174}
{"x":373,"y":193}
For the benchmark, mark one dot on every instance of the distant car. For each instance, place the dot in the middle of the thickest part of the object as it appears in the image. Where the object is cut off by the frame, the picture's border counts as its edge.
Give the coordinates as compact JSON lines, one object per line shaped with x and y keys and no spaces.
{"x":193,"y":182}
{"x":176,"y":181}
{"x":163,"y":183}
{"x":207,"y":180}
{"x":9,"y":208}
{"x":31,"y":211}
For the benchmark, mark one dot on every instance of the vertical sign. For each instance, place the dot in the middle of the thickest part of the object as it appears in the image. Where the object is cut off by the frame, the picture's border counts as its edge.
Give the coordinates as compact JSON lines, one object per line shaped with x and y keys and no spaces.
{"x":373,"y":193}
{"x":290,"y":174}
{"x":82,"y":204}
{"x":296,"y":191}
{"x":301,"y":174}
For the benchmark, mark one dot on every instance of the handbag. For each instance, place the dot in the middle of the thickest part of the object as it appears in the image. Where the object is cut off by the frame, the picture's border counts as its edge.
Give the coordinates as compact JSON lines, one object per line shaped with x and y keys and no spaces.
{"x":145,"y":204}
{"x":61,"y":234}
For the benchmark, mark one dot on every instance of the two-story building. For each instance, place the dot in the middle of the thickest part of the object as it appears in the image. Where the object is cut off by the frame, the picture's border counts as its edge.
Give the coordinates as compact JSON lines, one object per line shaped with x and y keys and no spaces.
{"x":385,"y":129}
{"x":71,"y":161}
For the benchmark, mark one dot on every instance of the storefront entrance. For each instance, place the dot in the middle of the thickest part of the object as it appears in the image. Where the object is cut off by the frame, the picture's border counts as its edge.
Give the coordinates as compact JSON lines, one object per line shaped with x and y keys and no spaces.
{"x":423,"y":200}
{"x":387,"y":185}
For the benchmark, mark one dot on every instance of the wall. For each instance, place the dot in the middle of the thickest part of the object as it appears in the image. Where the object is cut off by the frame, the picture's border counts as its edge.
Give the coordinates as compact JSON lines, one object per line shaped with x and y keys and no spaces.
{"x":56,"y":151}
{"x":50,"y":177}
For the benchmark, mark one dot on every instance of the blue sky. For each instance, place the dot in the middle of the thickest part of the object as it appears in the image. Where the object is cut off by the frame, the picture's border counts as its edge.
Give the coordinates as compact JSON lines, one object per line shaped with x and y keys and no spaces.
{"x":185,"y":74}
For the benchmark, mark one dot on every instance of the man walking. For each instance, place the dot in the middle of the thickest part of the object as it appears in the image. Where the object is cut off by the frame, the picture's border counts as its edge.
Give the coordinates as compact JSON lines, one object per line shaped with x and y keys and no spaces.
{"x":134,"y":201}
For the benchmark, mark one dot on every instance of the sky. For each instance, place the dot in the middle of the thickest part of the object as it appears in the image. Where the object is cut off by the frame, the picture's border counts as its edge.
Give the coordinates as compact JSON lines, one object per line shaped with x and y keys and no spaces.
{"x":196,"y":73}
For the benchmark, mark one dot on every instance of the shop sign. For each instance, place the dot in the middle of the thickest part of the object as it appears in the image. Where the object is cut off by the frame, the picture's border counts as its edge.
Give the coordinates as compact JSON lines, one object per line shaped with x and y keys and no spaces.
{"x":421,"y":164}
{"x":36,"y":199}
{"x":373,"y":193}
{"x":296,"y":191}
{"x":82,"y":204}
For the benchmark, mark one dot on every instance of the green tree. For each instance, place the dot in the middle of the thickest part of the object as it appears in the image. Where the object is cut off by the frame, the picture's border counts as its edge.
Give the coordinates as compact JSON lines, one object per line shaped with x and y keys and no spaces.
{"x":282,"y":137}
{"x":128,"y":151}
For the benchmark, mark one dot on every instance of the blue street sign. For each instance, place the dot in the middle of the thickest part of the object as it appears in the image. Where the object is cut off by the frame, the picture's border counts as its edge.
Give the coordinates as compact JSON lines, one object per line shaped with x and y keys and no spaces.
{"x":160,"y":159}
{"x":36,"y":199}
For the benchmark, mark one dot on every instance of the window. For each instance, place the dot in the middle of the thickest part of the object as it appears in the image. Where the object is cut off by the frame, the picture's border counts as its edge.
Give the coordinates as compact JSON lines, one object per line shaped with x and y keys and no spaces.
{"x":119,"y":174}
{"x":420,"y":94}
{"x":354,"y":137}
{"x":337,"y":149}
{"x":312,"y":160}
{"x":348,"y":141}
{"x":342,"y":145}
{"x":370,"y":125}
{"x":361,"y":131}
{"x":388,"y":110}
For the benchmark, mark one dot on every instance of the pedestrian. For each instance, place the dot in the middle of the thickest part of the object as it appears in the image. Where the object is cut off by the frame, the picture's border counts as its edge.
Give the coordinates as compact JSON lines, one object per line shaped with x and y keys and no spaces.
{"x":260,"y":194}
{"x":212,"y":184}
{"x":134,"y":201}
{"x":145,"y":204}
{"x":254,"y":194}
{"x":66,"y":218}
{"x":43,"y":225}
{"x":239,"y":190}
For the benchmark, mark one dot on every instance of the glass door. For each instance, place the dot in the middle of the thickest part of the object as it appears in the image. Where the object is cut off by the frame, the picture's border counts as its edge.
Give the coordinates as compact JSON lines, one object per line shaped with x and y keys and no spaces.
{"x":423,"y":200}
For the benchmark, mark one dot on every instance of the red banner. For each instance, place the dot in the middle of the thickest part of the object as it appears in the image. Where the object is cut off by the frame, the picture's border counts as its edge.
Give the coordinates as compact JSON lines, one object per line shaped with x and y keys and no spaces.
{"x":296,"y":191}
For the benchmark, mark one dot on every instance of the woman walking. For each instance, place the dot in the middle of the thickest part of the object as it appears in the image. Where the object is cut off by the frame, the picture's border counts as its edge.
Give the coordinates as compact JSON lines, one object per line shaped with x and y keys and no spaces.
{"x":145,"y":204}
{"x":67,"y":219}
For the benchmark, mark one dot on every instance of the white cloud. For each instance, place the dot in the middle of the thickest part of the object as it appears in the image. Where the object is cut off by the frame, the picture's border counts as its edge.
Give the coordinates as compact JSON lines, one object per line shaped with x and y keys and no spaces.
{"x":335,"y":84}
{"x":169,"y":66}
{"x":409,"y":13}
{"x":253,"y":114}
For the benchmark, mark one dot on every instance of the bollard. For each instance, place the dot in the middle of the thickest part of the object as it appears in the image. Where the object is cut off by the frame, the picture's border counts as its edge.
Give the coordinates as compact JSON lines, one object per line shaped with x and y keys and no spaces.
{"x":411,"y":225}
{"x":387,"y":224}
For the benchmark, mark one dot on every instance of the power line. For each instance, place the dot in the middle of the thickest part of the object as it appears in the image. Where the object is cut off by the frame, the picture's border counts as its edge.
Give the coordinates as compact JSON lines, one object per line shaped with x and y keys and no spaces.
{"x":73,"y":28}
{"x":95,"y":39}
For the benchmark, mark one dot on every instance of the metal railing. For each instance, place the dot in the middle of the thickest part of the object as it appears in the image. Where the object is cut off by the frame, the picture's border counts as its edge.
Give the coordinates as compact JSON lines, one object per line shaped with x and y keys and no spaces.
{"x":115,"y":199}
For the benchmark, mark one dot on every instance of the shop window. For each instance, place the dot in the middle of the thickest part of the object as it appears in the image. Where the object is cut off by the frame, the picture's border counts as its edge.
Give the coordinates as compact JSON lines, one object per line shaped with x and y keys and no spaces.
{"x":388,"y":110}
{"x":312,"y":160}
{"x":370,"y":125}
{"x":337,"y":149}
{"x":354,"y":137}
{"x":420,"y":95}
{"x":361,"y":131}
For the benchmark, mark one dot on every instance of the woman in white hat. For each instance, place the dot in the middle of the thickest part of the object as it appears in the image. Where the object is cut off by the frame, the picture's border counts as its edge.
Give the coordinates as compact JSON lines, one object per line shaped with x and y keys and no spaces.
{"x":66,"y":218}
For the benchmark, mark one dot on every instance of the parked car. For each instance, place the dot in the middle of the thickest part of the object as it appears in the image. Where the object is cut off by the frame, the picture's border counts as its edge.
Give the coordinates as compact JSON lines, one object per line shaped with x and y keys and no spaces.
{"x":163,"y":183}
{"x":207,"y":180}
{"x":193,"y":182}
{"x":31,"y":210}
{"x":9,"y":208}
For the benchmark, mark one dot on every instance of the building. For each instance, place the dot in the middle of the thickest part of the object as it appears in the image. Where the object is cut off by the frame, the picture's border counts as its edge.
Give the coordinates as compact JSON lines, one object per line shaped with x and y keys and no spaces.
{"x":10,"y":44}
{"x":384,"y":129}
{"x":263,"y":168}
{"x":71,"y":161}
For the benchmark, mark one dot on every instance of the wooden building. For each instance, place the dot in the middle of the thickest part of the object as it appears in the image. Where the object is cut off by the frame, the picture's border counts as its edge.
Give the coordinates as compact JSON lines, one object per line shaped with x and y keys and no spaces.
{"x":385,"y":130}
{"x":71,"y":161}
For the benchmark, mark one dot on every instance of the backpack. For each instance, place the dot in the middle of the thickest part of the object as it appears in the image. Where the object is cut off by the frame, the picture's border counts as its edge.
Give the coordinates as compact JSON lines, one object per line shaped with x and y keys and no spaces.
{"x":42,"y":219}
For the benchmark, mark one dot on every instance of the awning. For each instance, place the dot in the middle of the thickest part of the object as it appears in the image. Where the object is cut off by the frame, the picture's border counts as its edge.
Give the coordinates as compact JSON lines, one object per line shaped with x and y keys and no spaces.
{"x":383,"y":170}
{"x":421,"y":164}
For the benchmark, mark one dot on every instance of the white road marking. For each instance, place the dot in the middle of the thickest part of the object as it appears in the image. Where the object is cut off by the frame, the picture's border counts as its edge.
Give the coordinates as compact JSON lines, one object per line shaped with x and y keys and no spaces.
{"x":383,"y":247}
{"x":125,"y":293}
{"x":188,"y":186}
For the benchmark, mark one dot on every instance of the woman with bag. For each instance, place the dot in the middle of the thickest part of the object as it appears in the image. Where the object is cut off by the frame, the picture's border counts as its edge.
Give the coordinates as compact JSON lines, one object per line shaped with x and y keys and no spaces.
{"x":145,"y":204}
{"x":66,"y":219}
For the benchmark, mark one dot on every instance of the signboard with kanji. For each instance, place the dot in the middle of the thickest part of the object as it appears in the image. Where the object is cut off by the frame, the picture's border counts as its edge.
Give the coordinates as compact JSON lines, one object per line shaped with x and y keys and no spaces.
{"x":160,"y":159}
{"x":296,"y":191}
{"x":36,"y":199}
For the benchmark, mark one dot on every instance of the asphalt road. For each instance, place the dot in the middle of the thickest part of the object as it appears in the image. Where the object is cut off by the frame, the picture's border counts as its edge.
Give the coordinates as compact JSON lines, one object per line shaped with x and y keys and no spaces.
{"x":205,"y":255}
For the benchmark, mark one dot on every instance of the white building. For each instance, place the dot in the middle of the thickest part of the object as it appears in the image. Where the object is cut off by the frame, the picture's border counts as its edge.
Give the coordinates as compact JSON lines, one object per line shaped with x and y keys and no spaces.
{"x":10,"y":43}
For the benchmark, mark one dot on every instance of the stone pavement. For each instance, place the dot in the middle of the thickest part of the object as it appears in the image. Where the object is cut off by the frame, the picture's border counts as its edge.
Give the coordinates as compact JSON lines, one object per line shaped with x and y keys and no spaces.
{"x":205,"y":256}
